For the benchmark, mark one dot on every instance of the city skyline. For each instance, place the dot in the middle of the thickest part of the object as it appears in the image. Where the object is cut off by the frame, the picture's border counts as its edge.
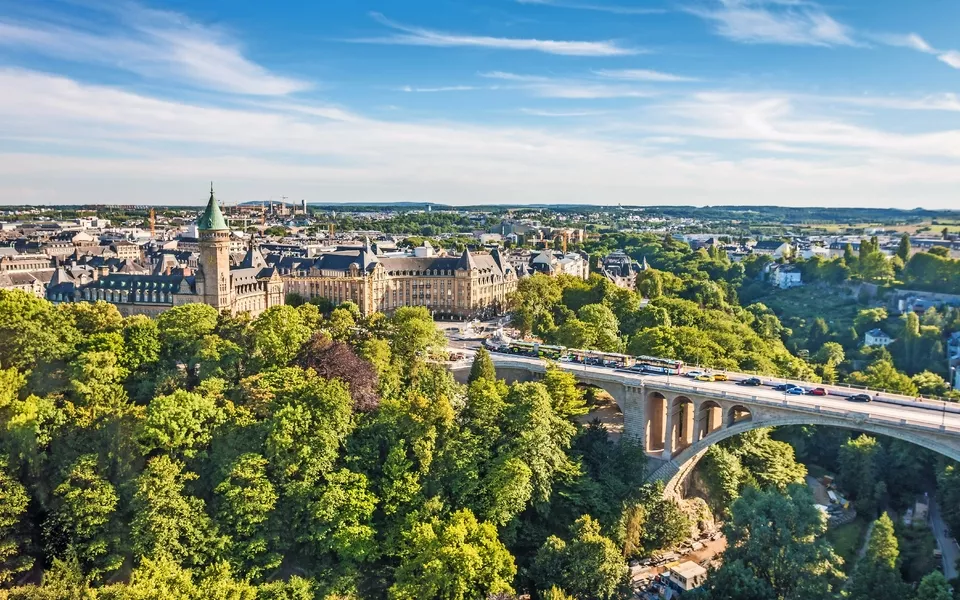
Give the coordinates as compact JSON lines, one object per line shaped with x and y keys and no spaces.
{"x":513,"y":101}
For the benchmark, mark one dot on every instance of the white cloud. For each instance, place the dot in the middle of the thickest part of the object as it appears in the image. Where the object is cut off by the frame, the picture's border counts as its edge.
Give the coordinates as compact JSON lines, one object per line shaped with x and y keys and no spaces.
{"x":915,"y":42}
{"x":155,"y":44}
{"x":145,"y":149}
{"x":537,"y":112}
{"x":418,"y":36}
{"x":444,"y":88}
{"x":775,"y":22}
{"x":570,"y":88}
{"x":951,"y":57}
{"x":643,"y":75}
{"x":610,"y":8}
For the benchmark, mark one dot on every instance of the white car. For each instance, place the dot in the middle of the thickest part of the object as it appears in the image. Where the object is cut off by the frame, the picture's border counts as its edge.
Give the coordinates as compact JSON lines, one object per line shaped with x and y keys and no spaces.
{"x":694,"y":374}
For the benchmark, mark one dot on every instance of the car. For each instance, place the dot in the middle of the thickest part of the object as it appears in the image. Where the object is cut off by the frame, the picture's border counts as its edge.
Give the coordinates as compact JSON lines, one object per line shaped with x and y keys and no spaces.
{"x":751,"y":381}
{"x":796,"y":391}
{"x":720,"y":377}
{"x":704,"y":377}
{"x":817,"y":392}
{"x":694,"y":374}
{"x":783,"y":387}
{"x":859,"y":398}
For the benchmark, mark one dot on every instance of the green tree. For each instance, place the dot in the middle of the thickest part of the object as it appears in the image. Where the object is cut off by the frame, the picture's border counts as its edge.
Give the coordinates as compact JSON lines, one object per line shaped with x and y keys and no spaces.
{"x":278,"y":334}
{"x":457,"y":558}
{"x":882,"y":375}
{"x":141,"y":338}
{"x":414,"y":333}
{"x":182,"y":327}
{"x":245,"y":500}
{"x":589,"y":566}
{"x":482,"y":367}
{"x":567,"y":399}
{"x":33,"y":331}
{"x":930,"y":384}
{"x":779,"y":538}
{"x":182,"y":422}
{"x":81,"y":521}
{"x":903,"y":248}
{"x":859,"y":464}
{"x":167,"y":522}
{"x":868,"y":318}
{"x":934,"y":586}
{"x":877,"y":575}
{"x":736,"y":581}
{"x":13,"y":535}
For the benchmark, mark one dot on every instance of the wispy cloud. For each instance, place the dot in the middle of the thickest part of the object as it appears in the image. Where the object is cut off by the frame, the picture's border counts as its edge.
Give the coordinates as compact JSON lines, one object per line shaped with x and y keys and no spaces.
{"x":538,"y":112}
{"x":787,"y":22}
{"x":444,"y":88}
{"x":419,"y":36}
{"x":915,"y":42}
{"x":609,"y":8}
{"x":568,"y":88}
{"x":643,"y":75}
{"x":154,"y":44}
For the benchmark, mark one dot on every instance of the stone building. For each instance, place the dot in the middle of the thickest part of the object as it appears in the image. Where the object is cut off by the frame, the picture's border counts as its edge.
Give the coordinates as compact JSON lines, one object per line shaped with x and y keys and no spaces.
{"x":252,"y":286}
{"x":467,"y":286}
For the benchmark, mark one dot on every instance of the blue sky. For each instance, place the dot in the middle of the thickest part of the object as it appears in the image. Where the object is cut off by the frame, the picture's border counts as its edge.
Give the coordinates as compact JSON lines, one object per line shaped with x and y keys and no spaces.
{"x":792,"y":102}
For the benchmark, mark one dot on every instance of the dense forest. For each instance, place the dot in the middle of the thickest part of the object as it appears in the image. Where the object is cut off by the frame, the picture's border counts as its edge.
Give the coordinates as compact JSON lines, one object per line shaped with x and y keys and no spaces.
{"x":298,"y":455}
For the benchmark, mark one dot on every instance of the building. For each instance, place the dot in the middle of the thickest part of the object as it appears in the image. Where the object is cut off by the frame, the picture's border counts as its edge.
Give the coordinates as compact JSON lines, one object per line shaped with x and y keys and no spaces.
{"x":551,"y":262}
{"x":251,"y":286}
{"x":467,"y":286}
{"x":877,"y":337}
{"x":785,"y":276}
{"x":621,"y":269}
{"x":773,"y":248}
{"x":686,"y":576}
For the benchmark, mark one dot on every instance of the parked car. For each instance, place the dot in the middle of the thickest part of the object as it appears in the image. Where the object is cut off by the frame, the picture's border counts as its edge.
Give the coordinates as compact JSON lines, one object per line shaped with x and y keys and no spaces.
{"x":817,"y":392}
{"x":796,"y":391}
{"x":751,"y":381}
{"x":720,"y":377}
{"x":704,"y":377}
{"x":859,"y":398}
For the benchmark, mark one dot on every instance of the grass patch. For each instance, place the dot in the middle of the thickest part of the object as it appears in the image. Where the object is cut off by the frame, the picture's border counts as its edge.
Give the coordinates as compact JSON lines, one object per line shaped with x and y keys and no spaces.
{"x":847,"y":541}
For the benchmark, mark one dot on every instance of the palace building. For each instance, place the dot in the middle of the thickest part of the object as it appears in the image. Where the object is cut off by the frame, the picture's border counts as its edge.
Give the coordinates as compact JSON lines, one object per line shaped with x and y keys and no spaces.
{"x":465,"y":286}
{"x":252,"y":286}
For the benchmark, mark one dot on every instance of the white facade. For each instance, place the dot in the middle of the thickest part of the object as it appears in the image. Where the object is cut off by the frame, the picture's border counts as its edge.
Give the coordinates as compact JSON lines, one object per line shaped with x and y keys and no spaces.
{"x":785,"y":276}
{"x":877,"y":337}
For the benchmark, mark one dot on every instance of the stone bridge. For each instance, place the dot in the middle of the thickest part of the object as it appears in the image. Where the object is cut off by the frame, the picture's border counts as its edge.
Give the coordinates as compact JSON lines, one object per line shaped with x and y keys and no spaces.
{"x":677,"y":419}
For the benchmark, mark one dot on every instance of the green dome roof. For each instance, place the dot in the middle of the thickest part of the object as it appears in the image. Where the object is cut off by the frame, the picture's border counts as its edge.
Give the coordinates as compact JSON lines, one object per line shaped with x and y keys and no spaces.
{"x":212,"y":219}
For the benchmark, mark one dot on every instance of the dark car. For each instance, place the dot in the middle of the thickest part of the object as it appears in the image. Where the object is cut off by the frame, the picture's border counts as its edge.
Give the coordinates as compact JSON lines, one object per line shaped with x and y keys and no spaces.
{"x":818,"y":392}
{"x":783,"y":387}
{"x":859,"y":398}
{"x":752,"y":381}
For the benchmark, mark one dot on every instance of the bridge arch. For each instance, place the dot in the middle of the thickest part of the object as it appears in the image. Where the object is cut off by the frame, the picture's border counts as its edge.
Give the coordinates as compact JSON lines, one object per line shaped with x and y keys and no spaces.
{"x":709,"y":419}
{"x":655,"y":426}
{"x":737,"y":414}
{"x":674,"y":472}
{"x":681,"y":422}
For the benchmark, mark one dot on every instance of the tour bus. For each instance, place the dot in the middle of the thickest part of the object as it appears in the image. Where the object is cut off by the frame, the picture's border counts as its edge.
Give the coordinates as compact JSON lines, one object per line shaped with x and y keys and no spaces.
{"x":603,"y":359}
{"x":536,"y":349}
{"x":667,"y":366}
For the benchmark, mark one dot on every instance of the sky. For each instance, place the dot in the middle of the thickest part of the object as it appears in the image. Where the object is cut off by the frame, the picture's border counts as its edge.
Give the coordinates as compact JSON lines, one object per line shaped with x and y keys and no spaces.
{"x":638,"y":102}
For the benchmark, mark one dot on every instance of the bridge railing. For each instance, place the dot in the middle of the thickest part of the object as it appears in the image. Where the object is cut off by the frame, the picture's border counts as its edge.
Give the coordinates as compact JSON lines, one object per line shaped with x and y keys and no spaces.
{"x":683,"y":385}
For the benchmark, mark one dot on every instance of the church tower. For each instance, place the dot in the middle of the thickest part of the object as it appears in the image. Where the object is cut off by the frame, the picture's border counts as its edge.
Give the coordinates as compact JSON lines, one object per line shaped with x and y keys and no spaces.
{"x":213,"y":276}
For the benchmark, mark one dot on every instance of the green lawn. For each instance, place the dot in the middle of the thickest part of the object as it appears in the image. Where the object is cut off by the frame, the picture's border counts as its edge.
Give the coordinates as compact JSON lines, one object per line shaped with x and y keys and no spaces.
{"x":847,"y":540}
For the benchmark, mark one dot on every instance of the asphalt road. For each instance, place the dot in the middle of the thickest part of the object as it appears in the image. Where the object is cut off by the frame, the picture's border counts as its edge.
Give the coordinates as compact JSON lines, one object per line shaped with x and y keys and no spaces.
{"x":947,"y":544}
{"x":917,"y":413}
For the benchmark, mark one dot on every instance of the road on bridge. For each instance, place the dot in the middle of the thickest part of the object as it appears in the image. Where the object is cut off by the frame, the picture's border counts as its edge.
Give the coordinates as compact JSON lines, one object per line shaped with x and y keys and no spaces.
{"x":925,"y":414}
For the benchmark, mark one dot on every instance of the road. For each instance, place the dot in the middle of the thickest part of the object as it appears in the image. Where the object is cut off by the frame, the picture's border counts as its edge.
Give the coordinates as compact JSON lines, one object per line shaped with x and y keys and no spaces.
{"x":947,"y":544}
{"x":925,"y":414}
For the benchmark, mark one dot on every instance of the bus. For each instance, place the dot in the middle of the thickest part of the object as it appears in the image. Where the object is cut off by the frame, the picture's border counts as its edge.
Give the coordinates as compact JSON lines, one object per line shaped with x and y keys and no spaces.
{"x":601,"y":359}
{"x":653,"y":364}
{"x":536,"y":349}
